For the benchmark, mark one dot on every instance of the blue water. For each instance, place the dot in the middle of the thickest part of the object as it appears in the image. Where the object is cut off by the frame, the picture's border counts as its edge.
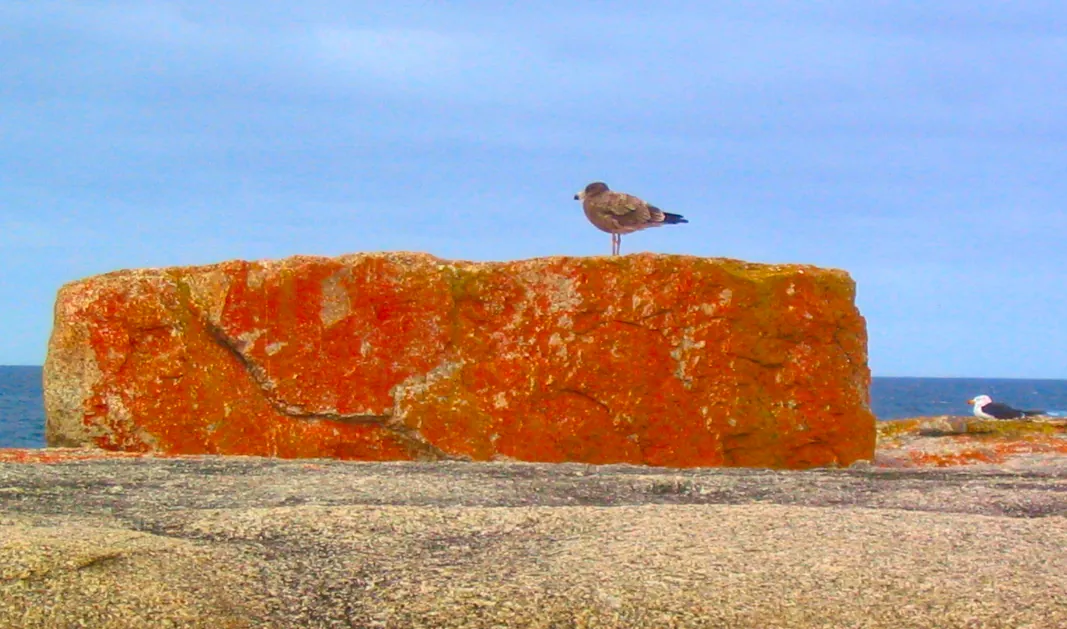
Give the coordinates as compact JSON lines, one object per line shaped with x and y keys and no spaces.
{"x":893,"y":398}
{"x":22,"y":406}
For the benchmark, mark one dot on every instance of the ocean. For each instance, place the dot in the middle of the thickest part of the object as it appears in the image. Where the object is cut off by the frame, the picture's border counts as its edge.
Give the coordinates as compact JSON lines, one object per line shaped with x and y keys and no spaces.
{"x":22,"y":405}
{"x":21,"y":408}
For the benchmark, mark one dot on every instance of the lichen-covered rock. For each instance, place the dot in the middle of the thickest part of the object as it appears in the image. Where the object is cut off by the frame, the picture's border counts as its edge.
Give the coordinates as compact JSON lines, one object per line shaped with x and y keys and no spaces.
{"x":949,"y":441}
{"x":649,"y":359}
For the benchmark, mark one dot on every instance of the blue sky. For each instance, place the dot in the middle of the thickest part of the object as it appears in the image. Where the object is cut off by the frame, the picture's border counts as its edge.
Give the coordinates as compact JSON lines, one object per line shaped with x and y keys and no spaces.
{"x":922,"y":146}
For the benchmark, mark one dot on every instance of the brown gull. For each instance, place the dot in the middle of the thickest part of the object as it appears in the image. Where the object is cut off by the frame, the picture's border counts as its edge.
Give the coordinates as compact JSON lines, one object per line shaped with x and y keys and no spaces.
{"x":618,"y":213}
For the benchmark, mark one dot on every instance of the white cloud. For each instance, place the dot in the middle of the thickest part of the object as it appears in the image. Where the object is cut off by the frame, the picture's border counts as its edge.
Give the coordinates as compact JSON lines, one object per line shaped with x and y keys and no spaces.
{"x":148,"y":22}
{"x":26,"y":234}
{"x":395,"y":54}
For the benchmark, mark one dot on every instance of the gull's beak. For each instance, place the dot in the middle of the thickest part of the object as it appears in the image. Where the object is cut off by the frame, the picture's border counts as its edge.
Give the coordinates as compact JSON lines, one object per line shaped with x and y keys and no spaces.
{"x":970,"y":401}
{"x":579,"y":196}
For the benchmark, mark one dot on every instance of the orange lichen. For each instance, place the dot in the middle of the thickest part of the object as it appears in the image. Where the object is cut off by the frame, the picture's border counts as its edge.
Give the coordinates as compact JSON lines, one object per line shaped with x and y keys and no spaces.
{"x":62,"y":455}
{"x":955,"y":441}
{"x":660,"y":360}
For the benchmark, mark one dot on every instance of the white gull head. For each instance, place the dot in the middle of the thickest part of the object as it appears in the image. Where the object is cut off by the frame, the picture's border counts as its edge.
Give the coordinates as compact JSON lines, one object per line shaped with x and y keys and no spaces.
{"x":980,"y":401}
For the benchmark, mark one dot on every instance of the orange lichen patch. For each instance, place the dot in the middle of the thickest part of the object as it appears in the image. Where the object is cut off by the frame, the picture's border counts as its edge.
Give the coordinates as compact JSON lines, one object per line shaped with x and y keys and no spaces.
{"x":954,"y":441}
{"x":1015,"y":428}
{"x":659,"y":360}
{"x":889,"y":429}
{"x":970,"y":451}
{"x":62,"y":455}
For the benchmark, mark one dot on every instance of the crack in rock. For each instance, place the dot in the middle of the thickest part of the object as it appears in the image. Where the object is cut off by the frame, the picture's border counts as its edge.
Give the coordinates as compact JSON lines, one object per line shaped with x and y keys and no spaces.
{"x":584,"y":395}
{"x":390,"y":420}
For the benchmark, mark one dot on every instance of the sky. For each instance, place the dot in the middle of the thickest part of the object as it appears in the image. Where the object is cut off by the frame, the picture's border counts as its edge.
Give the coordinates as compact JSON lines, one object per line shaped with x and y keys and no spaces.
{"x":921,"y":146}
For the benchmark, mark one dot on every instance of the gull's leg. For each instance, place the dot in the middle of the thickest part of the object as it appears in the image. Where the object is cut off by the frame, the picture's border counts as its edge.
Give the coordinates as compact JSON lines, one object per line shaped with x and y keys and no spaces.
{"x":615,"y":238}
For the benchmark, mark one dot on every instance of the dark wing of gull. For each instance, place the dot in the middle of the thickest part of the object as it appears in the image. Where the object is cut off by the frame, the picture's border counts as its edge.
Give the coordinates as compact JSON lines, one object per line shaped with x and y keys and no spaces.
{"x":1003,"y":411}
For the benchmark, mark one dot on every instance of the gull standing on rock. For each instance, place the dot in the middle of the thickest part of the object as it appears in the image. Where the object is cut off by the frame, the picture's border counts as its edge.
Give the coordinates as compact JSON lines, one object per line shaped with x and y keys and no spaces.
{"x":986,"y":408}
{"x":618,"y":213}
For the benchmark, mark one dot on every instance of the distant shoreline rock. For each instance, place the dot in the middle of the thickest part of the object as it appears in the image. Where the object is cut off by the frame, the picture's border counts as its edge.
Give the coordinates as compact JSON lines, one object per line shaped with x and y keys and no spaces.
{"x":947,"y":440}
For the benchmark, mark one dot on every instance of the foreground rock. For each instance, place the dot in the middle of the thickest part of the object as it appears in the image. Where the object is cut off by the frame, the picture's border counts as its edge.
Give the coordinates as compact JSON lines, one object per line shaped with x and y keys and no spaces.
{"x":235,"y":542}
{"x":661,"y":360}
{"x":947,"y":441}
